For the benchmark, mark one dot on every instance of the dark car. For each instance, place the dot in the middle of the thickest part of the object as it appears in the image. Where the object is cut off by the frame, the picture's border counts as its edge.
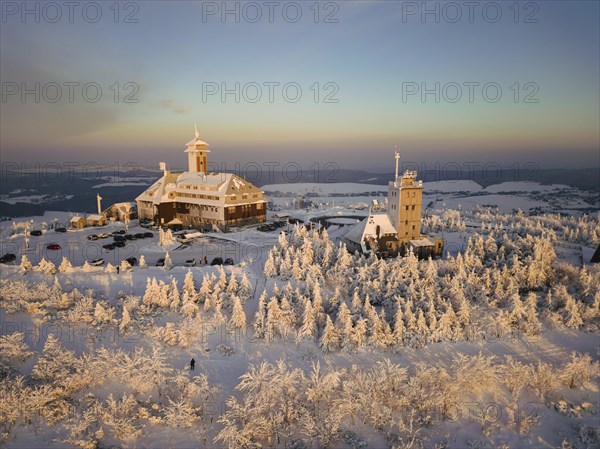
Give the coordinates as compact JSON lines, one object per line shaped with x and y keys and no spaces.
{"x":92,"y":237}
{"x":97,"y":262}
{"x":119,"y":238}
{"x":148,"y":234}
{"x":119,"y":244}
{"x":228,"y":261}
{"x":62,"y":230}
{"x":295,"y":221}
{"x":53,"y":246}
{"x":140,"y":235}
{"x":280,"y":224}
{"x":109,"y":246}
{"x":217,"y":261}
{"x":160,"y":263}
{"x":8,"y":257}
{"x":131,"y":261}
{"x":130,"y":237}
{"x":35,"y":232}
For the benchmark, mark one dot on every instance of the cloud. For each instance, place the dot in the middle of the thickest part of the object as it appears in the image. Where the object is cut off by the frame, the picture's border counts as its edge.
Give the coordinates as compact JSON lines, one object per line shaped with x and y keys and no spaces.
{"x":177,"y":108}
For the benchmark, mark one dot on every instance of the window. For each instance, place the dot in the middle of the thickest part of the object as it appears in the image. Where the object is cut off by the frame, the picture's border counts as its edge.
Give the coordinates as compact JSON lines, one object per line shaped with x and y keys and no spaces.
{"x":231,"y":209}
{"x":406,"y":207}
{"x":413,"y":207}
{"x":405,"y":222}
{"x":259,"y":206}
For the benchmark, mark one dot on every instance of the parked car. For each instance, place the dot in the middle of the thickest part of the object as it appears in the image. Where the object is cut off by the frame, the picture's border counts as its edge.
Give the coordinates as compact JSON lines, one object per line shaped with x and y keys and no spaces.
{"x":8,"y":257}
{"x":53,"y":246}
{"x":217,"y":261}
{"x":148,"y":234}
{"x":228,"y":261}
{"x":119,"y":238}
{"x":119,"y":244}
{"x":35,"y":232}
{"x":97,"y":262}
{"x":295,"y":221}
{"x":160,"y":262}
{"x":104,"y":235}
{"x":119,"y":232}
{"x":61,"y":230}
{"x":190,"y":263}
{"x":140,"y":235}
{"x":92,"y":237}
{"x":131,"y":261}
{"x":130,"y":237}
{"x":109,"y":246}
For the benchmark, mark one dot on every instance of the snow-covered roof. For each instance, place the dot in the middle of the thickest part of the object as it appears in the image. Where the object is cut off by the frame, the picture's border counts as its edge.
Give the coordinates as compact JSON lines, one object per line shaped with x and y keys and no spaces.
{"x":192,"y":144}
{"x":175,"y":221}
{"x":95,"y":217}
{"x":368,"y":228}
{"x":76,"y":218}
{"x":213,"y":187}
{"x":422,"y":242}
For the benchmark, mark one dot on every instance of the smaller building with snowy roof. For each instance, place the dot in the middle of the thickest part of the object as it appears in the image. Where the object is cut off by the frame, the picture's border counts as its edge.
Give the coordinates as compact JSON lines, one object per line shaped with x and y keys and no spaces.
{"x":199,"y":199}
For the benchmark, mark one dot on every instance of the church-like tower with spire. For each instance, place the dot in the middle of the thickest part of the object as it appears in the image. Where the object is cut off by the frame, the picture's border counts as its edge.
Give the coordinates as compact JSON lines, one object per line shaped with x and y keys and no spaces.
{"x":197,"y":198}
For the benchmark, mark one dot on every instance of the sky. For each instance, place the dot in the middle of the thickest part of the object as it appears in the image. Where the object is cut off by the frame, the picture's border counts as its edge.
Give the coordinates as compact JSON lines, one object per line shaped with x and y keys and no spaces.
{"x":301,"y":82}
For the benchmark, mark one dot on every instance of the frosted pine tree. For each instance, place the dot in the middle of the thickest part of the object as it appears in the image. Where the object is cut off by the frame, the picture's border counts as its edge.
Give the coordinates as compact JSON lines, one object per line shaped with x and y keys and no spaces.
{"x":110,"y":268}
{"x":86,"y":268}
{"x":65,"y":266}
{"x":232,"y":286}
{"x":124,"y":266}
{"x":273,"y":320}
{"x":163,"y":295}
{"x":245,"y":287}
{"x":260,"y":317}
{"x":571,"y":314}
{"x":270,"y":270}
{"x":125,"y":321}
{"x":309,"y":328}
{"x":398,"y":334}
{"x":142,"y":262}
{"x":359,"y":335}
{"x":189,"y":287}
{"x":174,"y":297}
{"x":205,"y":288}
{"x":330,"y":340}
{"x":533,"y":325}
{"x":149,"y":293}
{"x":168,"y":262}
{"x":344,"y":325}
{"x":238,"y":316}
{"x":46,"y":266}
{"x":25,"y":264}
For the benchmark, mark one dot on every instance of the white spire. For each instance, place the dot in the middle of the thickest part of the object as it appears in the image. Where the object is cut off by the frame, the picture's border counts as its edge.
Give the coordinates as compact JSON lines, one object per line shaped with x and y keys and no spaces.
{"x":99,"y":199}
{"x":196,"y":132}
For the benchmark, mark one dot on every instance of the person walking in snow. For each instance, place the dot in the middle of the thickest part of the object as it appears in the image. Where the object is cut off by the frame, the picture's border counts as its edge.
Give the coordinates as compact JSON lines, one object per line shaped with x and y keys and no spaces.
{"x":192,"y":364}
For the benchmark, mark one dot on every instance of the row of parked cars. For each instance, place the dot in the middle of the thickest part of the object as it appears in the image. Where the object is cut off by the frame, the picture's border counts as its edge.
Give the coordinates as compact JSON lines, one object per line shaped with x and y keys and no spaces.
{"x":215,"y":261}
{"x":37,"y":232}
{"x":98,"y":262}
{"x":119,"y":238}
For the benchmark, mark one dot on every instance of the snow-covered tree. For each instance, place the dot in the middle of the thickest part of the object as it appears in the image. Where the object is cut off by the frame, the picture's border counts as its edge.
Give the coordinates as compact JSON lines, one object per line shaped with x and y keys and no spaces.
{"x":65,"y":266}
{"x":238,"y":316}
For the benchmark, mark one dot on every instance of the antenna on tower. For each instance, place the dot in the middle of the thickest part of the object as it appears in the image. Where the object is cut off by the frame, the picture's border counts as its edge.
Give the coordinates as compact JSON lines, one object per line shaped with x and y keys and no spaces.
{"x":397,"y":156}
{"x":196,"y":132}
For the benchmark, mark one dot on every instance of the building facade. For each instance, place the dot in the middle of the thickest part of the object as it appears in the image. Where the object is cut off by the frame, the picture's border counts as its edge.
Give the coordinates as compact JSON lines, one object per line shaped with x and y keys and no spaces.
{"x":398,"y":230}
{"x":198,"y":199}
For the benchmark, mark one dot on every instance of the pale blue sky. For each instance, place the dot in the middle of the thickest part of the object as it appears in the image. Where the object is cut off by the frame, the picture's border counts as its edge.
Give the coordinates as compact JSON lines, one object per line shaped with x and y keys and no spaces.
{"x":369,"y":53}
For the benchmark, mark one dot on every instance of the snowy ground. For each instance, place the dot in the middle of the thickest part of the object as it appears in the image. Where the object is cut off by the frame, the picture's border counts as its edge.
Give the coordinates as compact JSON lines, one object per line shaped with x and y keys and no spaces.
{"x":225,"y":354}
